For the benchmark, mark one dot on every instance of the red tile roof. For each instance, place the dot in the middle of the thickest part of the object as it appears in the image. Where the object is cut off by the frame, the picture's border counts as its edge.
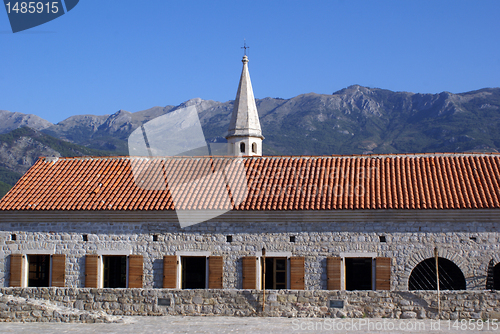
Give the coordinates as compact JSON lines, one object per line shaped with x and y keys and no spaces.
{"x":412,"y":181}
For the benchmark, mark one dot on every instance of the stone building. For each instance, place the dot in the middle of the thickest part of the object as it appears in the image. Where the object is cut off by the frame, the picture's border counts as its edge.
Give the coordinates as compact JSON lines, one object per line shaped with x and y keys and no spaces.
{"x":370,"y":222}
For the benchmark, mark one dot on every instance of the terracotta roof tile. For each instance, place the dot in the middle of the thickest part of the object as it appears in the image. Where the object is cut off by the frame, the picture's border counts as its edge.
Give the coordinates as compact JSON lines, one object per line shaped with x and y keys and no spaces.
{"x":409,"y":181}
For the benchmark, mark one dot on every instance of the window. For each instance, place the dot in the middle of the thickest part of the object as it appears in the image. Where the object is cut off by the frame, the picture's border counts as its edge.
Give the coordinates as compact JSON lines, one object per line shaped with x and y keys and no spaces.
{"x":191,"y":272}
{"x":115,"y":271}
{"x":423,"y":276}
{"x":242,"y":147}
{"x":254,"y":148}
{"x":38,"y":270}
{"x":194,"y":271}
{"x":276,"y":273}
{"x":358,"y":273}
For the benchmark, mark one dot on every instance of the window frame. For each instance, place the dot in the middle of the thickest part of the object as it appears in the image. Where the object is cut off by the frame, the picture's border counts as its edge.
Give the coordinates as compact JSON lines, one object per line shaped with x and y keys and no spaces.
{"x":100,"y":265}
{"x":259,"y":256}
{"x":343,"y":272}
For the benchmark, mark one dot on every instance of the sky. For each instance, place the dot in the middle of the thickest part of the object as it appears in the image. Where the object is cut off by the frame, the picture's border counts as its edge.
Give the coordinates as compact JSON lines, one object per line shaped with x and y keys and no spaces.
{"x":107,"y":55}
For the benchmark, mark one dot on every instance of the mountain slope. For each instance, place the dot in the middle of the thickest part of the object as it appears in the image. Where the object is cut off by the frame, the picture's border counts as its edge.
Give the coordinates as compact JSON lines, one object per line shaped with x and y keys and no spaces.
{"x":12,"y":120}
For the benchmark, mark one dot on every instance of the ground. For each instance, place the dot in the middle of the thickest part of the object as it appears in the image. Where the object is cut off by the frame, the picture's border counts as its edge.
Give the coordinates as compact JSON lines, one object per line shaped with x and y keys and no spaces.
{"x":192,"y":324}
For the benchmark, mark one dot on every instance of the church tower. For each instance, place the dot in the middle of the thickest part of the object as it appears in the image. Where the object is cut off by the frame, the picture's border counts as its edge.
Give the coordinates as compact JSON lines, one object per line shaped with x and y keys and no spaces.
{"x":244,"y":136}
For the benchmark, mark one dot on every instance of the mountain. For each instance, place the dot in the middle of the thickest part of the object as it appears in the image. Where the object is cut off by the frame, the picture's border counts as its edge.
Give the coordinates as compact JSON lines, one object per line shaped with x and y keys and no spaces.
{"x":12,"y":120}
{"x":354,"y":120}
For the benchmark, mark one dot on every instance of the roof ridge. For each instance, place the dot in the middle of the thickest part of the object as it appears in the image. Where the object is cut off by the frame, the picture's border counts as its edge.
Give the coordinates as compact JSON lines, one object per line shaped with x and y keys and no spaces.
{"x":372,"y":155}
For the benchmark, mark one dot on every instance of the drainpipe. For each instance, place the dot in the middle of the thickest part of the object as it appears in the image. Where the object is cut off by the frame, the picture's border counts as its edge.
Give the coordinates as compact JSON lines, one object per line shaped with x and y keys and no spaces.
{"x":437,"y":282}
{"x":263,"y":279}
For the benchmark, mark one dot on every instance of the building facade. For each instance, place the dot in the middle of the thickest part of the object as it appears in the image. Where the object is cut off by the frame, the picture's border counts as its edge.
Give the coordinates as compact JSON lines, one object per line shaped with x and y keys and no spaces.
{"x":324,"y":224}
{"x":371,"y":222}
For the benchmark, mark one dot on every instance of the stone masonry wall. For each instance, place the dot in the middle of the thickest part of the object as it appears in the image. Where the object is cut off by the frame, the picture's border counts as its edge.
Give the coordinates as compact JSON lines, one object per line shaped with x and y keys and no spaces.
{"x":469,"y":245}
{"x":103,"y":305}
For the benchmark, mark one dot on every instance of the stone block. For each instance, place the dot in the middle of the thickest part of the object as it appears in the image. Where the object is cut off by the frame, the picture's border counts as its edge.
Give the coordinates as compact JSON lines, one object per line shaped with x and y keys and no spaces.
{"x":408,"y":315}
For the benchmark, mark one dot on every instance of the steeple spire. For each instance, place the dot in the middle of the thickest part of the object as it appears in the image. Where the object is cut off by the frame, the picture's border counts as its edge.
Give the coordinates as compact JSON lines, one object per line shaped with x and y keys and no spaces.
{"x":245,"y":135}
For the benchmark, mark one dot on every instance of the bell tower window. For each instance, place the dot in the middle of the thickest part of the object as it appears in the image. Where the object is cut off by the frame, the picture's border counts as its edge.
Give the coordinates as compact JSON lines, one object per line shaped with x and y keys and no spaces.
{"x":242,"y":147}
{"x":254,"y":147}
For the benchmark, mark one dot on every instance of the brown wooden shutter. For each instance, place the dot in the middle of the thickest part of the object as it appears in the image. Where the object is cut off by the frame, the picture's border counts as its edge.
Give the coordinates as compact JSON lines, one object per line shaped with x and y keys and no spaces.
{"x":170,"y":271}
{"x":135,"y":271}
{"x":58,"y":270}
{"x":333,"y":273}
{"x":383,"y":273}
{"x":16,"y":267}
{"x":91,"y":277}
{"x":215,"y":271}
{"x":249,"y":272}
{"x":297,"y":273}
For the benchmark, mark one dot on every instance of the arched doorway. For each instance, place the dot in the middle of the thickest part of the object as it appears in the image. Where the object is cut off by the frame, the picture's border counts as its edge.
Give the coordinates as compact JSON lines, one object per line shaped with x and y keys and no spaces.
{"x":423,"y":276}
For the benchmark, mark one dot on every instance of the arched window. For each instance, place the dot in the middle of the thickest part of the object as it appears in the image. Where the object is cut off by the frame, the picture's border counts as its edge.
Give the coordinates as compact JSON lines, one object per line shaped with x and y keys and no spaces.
{"x":254,"y":147}
{"x":242,"y":147}
{"x":423,"y":276}
{"x":496,"y":277}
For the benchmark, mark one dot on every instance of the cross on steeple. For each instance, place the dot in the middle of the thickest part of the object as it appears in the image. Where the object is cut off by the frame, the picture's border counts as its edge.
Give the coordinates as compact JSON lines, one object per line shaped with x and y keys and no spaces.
{"x":245,"y":46}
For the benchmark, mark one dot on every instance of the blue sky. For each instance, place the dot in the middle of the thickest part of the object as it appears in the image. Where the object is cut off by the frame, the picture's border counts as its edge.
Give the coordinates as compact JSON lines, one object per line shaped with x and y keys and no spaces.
{"x":126,"y":54}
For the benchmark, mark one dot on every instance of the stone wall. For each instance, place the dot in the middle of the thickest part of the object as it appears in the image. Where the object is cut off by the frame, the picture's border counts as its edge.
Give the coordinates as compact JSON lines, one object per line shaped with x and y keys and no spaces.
{"x":99,"y":305}
{"x":470,"y":245}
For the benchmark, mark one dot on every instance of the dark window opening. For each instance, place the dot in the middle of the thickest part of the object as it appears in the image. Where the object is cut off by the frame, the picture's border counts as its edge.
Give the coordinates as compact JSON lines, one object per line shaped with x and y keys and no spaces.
{"x":382,"y":238}
{"x":38,"y":270}
{"x":85,"y":237}
{"x":423,"y":276}
{"x":496,"y":277}
{"x":276,"y":273}
{"x":155,"y":237}
{"x":473,"y":239}
{"x":194,"y":272}
{"x":229,"y":238}
{"x":13,"y":237}
{"x":242,"y":147}
{"x":292,"y":238}
{"x":254,"y":147}
{"x":358,"y":273}
{"x":115,"y":271}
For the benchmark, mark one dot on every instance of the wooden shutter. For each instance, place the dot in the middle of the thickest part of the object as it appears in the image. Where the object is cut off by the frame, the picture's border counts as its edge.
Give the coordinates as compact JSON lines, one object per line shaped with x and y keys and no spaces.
{"x":58,"y":270}
{"x":249,"y":272}
{"x":135,"y":271}
{"x":170,"y":271}
{"x":383,"y":273}
{"x":16,"y":267}
{"x":333,"y":273}
{"x":297,"y":273}
{"x":91,"y":277}
{"x":215,"y":271}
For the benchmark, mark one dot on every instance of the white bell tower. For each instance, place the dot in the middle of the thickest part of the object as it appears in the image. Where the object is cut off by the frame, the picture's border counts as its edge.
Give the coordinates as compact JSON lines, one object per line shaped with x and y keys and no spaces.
{"x":244,"y":136}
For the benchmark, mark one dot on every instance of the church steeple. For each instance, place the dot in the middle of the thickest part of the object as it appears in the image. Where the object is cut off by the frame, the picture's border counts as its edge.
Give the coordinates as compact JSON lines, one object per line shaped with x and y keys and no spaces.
{"x":244,"y":136}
